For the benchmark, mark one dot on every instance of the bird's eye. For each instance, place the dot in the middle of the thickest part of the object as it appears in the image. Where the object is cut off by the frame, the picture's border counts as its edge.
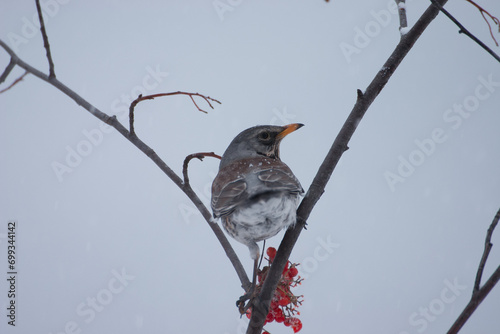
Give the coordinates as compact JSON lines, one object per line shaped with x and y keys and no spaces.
{"x":264,"y":135}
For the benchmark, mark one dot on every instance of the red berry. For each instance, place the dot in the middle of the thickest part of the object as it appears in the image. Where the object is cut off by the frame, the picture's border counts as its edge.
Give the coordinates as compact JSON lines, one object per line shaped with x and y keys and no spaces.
{"x":280,"y":294}
{"x":296,"y":324}
{"x":271,"y":252}
{"x":274,"y":304}
{"x":249,"y":314}
{"x":270,"y":317}
{"x":293,"y":272}
{"x":276,"y":310}
{"x":284,"y":301}
{"x":279,"y":317}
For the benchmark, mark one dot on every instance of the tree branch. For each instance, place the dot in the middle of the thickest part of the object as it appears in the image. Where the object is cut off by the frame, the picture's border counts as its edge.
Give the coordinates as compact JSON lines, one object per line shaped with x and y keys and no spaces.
{"x":151,"y":97}
{"x":464,"y":30}
{"x":403,"y":22}
{"x":46,"y":44}
{"x":14,"y":83}
{"x":261,"y":304}
{"x":474,"y":302}
{"x":240,"y":271}
{"x":192,"y":156}
{"x":112,"y":120}
{"x":479,"y":293}
{"x":487,"y":248}
{"x":7,"y":71}
{"x":493,"y":18}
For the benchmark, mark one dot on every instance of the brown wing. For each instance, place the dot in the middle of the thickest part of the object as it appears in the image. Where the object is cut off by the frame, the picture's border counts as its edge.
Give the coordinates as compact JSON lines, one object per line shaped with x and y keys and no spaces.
{"x":226,"y":199}
{"x":279,"y":179}
{"x":236,"y":183}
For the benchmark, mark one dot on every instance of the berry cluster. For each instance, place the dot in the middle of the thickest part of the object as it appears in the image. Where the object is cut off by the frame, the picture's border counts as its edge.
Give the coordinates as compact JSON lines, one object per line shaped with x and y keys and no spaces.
{"x":284,"y":304}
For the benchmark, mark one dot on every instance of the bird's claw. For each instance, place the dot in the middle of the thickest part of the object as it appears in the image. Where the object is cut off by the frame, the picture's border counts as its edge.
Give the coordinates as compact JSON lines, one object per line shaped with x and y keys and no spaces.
{"x":250,"y":295}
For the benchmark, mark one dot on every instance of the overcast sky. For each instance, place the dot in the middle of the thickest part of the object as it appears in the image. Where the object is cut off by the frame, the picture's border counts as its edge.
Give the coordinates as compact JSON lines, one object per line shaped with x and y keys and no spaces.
{"x":106,"y":243}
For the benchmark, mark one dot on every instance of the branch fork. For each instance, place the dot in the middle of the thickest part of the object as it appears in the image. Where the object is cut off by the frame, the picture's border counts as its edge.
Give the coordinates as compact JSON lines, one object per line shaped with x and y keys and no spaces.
{"x":141,"y":98}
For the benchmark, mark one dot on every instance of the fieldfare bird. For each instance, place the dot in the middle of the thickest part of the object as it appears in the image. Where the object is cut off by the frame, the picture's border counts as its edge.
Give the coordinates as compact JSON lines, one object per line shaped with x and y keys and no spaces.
{"x":255,"y":194}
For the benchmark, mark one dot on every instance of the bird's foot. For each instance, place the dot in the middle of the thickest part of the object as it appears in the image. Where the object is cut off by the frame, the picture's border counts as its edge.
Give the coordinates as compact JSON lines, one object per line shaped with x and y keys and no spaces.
{"x":242,"y":303}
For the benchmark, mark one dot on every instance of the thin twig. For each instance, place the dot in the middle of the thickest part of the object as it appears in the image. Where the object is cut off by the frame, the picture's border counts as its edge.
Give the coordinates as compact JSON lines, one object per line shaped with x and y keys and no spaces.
{"x":403,"y":22}
{"x":151,"y":97}
{"x":113,"y":121}
{"x":493,"y":18}
{"x":192,"y":156}
{"x":14,"y":83}
{"x":487,"y":248}
{"x":464,"y":30}
{"x":479,"y":293}
{"x":46,"y":44}
{"x":7,"y":70}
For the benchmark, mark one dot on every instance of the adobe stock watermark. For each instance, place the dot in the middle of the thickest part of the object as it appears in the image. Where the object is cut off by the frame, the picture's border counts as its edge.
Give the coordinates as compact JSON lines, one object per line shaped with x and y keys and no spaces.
{"x":322,"y":252}
{"x":281,"y":117}
{"x":364,"y":36}
{"x":222,"y":7}
{"x":31,"y":28}
{"x":425,"y":315}
{"x":88,"y":310}
{"x":453,"y":117}
{"x":94,"y":137}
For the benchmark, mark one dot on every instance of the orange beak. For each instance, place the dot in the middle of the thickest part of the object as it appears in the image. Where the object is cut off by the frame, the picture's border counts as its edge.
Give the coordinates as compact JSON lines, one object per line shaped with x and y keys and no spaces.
{"x":289,"y":129}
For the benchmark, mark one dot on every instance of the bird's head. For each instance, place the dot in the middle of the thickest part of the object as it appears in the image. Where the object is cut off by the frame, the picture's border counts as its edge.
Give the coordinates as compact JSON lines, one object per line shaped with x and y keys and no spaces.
{"x":262,"y":140}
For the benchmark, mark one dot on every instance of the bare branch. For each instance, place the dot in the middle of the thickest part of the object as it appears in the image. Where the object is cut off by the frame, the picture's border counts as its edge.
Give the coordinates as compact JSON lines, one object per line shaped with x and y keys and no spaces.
{"x":479,"y":293}
{"x":151,"y":97}
{"x":14,"y":83}
{"x":464,"y":30}
{"x":238,"y":267}
{"x":493,"y":18}
{"x":7,"y":70}
{"x":364,"y":100}
{"x":403,"y":23}
{"x":192,"y":156}
{"x":46,"y":44}
{"x":487,"y":248}
{"x":112,"y":120}
{"x":474,"y":302}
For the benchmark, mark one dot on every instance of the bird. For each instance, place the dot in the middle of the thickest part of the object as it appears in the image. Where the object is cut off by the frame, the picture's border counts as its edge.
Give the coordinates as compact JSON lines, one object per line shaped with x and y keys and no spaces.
{"x":255,"y":194}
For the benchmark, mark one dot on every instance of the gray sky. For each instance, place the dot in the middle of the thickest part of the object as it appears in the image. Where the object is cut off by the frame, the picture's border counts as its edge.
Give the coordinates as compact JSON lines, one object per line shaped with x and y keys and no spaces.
{"x":107,"y":243}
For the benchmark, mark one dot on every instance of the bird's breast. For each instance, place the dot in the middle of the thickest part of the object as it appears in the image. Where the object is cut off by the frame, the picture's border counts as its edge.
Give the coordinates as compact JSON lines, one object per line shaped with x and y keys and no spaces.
{"x":263,"y":216}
